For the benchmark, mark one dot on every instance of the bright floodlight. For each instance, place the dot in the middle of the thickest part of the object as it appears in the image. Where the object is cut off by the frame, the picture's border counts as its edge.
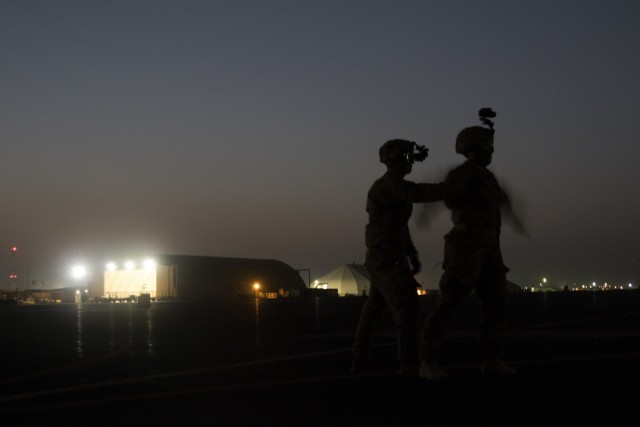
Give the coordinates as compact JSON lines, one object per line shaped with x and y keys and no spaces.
{"x":129,"y":265}
{"x":111,"y":266}
{"x":256,"y":286}
{"x":149,"y":264}
{"x":79,"y":271}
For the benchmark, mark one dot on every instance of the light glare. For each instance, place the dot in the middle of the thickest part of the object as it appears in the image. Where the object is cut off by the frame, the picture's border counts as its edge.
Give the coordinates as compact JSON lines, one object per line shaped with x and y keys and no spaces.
{"x":149,"y":264}
{"x":79,"y":271}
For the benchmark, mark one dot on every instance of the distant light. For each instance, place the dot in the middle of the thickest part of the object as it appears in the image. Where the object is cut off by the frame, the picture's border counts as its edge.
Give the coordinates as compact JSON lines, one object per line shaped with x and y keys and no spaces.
{"x":79,"y":271}
{"x":256,"y":286}
{"x":149,"y":264}
{"x":129,"y":265}
{"x":111,"y":266}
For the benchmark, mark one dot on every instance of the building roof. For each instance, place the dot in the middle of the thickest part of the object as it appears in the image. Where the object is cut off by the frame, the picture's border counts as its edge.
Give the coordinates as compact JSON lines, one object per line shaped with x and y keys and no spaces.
{"x":348,"y":279}
{"x":207,"y":276}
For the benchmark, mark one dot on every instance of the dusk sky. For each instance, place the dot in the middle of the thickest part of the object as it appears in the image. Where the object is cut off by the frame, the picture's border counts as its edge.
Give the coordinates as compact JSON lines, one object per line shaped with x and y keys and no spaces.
{"x":251,"y":128}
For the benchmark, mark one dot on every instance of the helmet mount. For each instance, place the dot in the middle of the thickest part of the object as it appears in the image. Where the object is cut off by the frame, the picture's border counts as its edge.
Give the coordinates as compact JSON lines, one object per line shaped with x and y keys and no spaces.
{"x":477,"y":137}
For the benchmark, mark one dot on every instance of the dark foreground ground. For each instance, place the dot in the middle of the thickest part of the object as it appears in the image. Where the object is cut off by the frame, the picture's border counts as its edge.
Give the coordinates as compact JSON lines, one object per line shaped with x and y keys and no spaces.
{"x":285,"y":363}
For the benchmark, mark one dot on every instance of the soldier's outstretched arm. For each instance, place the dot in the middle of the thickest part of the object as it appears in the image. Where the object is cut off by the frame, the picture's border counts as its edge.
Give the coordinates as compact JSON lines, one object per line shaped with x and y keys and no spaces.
{"x":422,"y":192}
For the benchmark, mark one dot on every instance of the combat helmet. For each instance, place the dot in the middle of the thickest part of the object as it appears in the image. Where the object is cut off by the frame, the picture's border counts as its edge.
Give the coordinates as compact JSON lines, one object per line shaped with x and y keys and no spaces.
{"x":474,"y":138}
{"x":396,"y":151}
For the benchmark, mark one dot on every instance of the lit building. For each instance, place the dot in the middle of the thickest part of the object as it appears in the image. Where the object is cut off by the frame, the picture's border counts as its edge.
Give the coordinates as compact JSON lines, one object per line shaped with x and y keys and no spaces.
{"x":156,"y":280}
{"x":196,"y":277}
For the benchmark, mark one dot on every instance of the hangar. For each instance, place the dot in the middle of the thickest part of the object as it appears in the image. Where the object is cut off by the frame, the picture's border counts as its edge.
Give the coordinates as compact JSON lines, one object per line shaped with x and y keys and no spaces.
{"x":201,"y":277}
{"x":159,"y":281}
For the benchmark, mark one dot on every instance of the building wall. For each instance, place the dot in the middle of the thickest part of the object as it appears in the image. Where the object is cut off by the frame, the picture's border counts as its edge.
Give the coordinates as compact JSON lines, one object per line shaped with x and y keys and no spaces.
{"x":158,"y":282}
{"x":211,"y":277}
{"x":198,"y":277}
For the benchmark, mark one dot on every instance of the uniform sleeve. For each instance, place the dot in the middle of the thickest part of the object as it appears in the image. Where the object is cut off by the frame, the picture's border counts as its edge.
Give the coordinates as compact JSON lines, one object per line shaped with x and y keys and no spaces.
{"x":456,"y":187}
{"x":426,"y":192}
{"x":387,"y":193}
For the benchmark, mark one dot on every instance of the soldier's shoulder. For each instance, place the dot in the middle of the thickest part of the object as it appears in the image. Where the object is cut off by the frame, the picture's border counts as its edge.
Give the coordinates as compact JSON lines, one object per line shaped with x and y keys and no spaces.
{"x":464,"y":172}
{"x":462,"y":168}
{"x":379,"y":181}
{"x":469,"y":167}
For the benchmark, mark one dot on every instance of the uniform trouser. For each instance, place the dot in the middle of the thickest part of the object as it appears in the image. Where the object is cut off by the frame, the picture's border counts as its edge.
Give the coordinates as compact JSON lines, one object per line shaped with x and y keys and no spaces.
{"x":392,"y":286}
{"x":469,"y":264}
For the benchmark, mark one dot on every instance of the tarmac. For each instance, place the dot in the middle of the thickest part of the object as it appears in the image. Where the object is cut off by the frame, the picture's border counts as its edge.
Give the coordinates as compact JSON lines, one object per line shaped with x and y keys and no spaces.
{"x":286,"y":363}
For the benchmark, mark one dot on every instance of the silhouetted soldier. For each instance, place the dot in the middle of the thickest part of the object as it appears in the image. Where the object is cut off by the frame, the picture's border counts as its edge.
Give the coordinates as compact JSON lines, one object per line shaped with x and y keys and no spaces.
{"x":472,"y":256}
{"x":392,"y":259}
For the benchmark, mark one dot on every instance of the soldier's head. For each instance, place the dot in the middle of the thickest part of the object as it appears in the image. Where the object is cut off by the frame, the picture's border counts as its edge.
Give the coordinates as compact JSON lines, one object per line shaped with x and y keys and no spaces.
{"x":397,"y":154}
{"x":476,"y":143}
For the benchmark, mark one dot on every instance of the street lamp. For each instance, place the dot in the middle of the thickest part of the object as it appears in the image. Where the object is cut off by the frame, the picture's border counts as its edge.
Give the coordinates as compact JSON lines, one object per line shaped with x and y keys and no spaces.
{"x":256,"y":287}
{"x":80,"y":273}
{"x":13,"y":276}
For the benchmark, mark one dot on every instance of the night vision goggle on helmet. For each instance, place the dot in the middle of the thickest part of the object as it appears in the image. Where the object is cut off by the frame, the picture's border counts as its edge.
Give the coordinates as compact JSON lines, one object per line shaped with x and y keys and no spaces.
{"x":402,"y":151}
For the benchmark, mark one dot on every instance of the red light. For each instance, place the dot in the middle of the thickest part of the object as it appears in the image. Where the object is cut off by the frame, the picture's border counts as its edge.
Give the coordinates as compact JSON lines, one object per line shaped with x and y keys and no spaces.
{"x":13,"y":276}
{"x":14,"y":248}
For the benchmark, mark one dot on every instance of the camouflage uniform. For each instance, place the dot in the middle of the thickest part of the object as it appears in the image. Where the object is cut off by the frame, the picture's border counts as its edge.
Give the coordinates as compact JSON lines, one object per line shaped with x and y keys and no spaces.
{"x":389,"y":250}
{"x":472,"y":260}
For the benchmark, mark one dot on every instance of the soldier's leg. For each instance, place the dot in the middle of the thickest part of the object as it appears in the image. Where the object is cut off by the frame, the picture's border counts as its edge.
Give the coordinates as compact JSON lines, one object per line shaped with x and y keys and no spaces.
{"x":396,"y":286}
{"x":491,"y":289}
{"x":402,"y":300}
{"x":374,"y":304}
{"x":452,"y":294}
{"x":462,"y":266}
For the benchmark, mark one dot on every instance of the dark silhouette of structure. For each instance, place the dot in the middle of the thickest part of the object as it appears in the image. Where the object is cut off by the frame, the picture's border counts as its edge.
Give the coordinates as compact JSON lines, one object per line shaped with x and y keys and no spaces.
{"x":201,"y":277}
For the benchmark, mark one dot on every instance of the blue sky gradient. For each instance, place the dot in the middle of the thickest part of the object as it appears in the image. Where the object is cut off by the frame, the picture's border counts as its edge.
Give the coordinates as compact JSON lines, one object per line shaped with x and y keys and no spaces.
{"x":251,"y":128}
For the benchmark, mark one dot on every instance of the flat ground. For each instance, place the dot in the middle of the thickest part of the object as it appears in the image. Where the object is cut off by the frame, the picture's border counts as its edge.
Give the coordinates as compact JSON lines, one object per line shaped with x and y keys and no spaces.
{"x":285,"y":363}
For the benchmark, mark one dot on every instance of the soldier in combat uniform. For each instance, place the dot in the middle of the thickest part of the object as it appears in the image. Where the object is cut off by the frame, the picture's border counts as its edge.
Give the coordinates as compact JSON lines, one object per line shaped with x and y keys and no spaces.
{"x":472,"y":256}
{"x":391,"y":258}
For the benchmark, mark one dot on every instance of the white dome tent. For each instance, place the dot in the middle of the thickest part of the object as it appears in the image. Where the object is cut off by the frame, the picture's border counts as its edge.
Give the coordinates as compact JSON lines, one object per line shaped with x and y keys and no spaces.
{"x":348,"y":279}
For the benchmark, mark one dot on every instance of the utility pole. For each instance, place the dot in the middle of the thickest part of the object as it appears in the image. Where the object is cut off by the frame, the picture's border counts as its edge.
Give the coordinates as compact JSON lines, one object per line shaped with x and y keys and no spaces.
{"x":13,"y":276}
